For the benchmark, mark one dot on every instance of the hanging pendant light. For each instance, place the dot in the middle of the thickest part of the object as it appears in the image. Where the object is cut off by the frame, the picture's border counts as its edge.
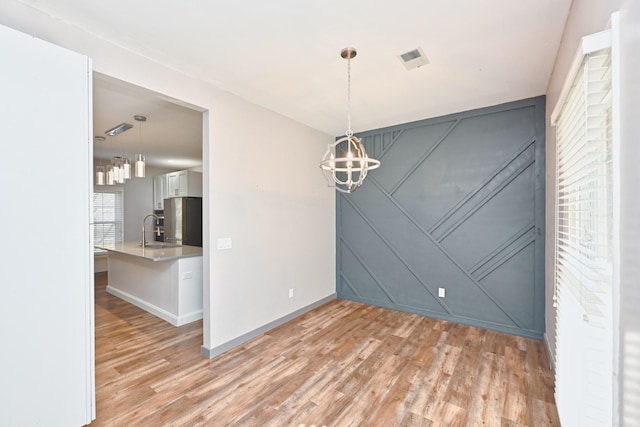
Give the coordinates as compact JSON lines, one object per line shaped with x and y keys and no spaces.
{"x":118,"y":171}
{"x":345,"y":163}
{"x":140,"y":163}
{"x":120,"y":168}
{"x":99,"y":179}
{"x":100,"y":175}
{"x":126,"y":167}
{"x":125,"y":164}
{"x":110,"y":179}
{"x":140,"y":166}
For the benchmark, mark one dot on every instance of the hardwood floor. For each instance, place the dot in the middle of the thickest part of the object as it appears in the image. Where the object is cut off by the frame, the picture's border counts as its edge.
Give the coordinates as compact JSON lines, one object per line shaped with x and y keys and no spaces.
{"x":343,"y":364}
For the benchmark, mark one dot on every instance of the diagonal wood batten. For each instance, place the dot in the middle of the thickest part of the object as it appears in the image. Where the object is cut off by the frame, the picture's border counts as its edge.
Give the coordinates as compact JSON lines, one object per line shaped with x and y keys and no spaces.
{"x":457,"y":205}
{"x":345,"y":363}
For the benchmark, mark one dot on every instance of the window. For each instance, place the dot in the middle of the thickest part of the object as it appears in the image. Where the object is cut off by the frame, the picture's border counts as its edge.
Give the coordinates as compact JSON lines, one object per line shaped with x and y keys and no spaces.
{"x":583,"y":244}
{"x":108,"y":212}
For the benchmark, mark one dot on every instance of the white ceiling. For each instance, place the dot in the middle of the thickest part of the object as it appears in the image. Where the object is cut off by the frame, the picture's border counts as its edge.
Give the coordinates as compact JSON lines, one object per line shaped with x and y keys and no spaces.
{"x":170,"y":138}
{"x":284,"y":54}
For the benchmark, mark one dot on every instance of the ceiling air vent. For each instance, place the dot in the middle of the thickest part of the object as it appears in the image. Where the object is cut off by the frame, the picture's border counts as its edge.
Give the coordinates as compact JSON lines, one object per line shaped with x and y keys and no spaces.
{"x":413,"y":59}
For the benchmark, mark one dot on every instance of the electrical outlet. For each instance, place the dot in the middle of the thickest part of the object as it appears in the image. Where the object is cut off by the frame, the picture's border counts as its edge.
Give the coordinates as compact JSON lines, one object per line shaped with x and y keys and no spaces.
{"x":441,"y":292}
{"x":291,"y":293}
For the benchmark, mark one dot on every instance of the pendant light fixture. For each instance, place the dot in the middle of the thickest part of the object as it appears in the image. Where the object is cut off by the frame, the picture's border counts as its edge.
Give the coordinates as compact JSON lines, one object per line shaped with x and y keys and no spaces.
{"x":140,"y":163}
{"x":116,"y":130}
{"x":121,"y":166}
{"x":100,"y":175}
{"x":125,"y":163}
{"x":119,"y":170}
{"x":110,"y":178}
{"x":100,"y":172}
{"x":126,"y":166}
{"x":345,"y":163}
{"x":118,"y":176}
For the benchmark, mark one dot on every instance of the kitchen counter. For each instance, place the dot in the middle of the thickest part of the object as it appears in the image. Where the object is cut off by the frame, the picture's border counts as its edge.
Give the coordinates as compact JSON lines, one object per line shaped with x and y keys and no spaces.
{"x":166,"y":282}
{"x":163,"y":254}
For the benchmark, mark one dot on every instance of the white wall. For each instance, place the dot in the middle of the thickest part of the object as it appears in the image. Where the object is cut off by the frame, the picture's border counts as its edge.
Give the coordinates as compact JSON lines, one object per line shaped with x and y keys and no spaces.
{"x":585,"y":17}
{"x":629,"y":390}
{"x":47,"y":358}
{"x":279,"y":212}
{"x":271,"y":199}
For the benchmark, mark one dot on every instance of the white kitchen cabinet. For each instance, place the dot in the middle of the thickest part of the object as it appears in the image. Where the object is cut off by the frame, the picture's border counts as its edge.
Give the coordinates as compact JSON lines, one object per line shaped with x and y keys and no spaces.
{"x":184,"y":184}
{"x":173,"y":183}
{"x":160,"y":191}
{"x":165,"y":282}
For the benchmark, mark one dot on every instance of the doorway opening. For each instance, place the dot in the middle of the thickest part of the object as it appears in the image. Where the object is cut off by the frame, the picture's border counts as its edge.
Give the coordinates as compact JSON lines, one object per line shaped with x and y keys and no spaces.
{"x":172,"y":140}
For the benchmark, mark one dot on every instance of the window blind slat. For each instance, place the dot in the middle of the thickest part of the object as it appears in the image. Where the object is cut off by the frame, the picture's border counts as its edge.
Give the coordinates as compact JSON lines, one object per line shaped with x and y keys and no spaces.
{"x":583,"y":261}
{"x":108,"y":216}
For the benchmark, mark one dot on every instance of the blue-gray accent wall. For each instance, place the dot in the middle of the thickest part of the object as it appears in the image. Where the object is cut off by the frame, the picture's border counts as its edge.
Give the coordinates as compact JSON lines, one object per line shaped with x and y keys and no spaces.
{"x":458,"y":203}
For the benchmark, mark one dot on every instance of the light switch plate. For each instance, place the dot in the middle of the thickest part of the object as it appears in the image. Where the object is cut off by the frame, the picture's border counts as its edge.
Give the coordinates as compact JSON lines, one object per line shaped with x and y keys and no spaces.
{"x":224,"y":243}
{"x":441,"y":292}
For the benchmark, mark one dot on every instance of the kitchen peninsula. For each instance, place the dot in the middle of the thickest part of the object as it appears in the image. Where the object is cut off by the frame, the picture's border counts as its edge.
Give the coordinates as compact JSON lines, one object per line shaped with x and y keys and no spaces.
{"x":165,"y":280}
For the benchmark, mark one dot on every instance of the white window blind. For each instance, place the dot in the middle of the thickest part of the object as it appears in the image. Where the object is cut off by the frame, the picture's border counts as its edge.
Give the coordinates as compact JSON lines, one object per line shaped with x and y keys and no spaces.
{"x":108,"y":213}
{"x":583,"y":246}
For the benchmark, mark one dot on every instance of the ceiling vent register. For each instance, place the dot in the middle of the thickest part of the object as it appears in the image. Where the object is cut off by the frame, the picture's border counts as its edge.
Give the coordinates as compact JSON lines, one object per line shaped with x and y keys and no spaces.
{"x":413,"y":59}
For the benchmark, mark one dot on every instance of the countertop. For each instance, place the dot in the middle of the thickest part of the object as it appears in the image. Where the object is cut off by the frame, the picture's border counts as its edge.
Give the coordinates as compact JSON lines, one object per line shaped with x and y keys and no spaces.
{"x":162,"y":254}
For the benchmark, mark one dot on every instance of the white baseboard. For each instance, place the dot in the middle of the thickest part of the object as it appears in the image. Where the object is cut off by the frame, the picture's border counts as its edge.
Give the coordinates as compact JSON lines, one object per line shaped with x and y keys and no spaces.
{"x":156,"y":311}
{"x":189,"y":317}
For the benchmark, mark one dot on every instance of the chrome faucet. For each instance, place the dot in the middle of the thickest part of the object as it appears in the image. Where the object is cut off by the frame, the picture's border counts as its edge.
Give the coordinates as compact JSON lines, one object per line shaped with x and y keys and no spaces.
{"x":144,"y":244}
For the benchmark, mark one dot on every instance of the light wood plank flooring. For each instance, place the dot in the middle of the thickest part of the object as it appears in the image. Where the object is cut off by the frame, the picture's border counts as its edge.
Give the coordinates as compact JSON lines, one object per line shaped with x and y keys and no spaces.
{"x":343,"y":364}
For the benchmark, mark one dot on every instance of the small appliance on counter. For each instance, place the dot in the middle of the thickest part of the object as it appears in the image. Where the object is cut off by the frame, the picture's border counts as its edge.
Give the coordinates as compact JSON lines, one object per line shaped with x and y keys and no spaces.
{"x":183,"y":221}
{"x":159,"y":230}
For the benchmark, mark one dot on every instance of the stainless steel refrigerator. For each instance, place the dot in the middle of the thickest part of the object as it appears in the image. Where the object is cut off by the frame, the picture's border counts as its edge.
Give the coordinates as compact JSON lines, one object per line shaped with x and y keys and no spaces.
{"x":183,"y":221}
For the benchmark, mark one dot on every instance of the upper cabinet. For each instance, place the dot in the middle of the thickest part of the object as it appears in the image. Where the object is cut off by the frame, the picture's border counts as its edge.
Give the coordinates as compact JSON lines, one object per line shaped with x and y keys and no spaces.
{"x":176,"y":184}
{"x":184,"y":184}
{"x":160,"y":191}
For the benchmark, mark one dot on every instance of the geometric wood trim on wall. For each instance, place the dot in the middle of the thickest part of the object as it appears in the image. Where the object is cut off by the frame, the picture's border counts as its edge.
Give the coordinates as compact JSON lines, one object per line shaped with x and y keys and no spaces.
{"x":458,"y":203}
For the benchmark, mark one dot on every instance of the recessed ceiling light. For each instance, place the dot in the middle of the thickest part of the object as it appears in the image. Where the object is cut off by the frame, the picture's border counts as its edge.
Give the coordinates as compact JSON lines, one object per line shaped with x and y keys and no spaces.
{"x":413,"y":59}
